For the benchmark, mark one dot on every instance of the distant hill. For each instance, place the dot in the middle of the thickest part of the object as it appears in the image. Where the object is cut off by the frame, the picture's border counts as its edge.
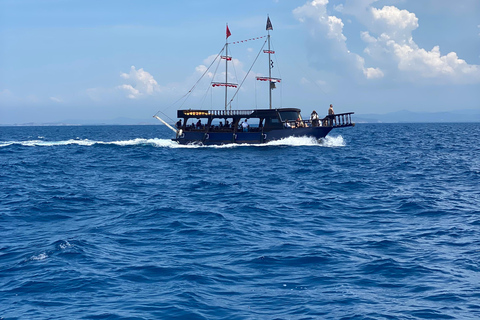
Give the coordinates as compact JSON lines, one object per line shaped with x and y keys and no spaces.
{"x":403,"y":116}
{"x":408,"y":116}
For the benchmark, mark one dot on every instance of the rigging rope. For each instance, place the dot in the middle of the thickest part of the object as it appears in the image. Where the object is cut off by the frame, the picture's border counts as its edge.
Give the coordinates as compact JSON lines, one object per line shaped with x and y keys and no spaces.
{"x":213,"y":77}
{"x":190,"y":91}
{"x":241,"y":41}
{"x":185,"y":96}
{"x":279,"y":73}
{"x":233,"y":97}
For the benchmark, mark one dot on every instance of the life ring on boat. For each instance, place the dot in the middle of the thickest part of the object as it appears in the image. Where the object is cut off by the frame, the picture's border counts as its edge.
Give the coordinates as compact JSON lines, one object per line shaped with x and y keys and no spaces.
{"x":264,"y":136}
{"x":207,"y":136}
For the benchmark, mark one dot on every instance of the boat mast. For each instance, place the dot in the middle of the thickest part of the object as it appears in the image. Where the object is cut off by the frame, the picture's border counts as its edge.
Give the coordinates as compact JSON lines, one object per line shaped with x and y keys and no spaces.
{"x":226,"y":84}
{"x":226,"y":66}
{"x":269,"y":27}
{"x":271,"y":81}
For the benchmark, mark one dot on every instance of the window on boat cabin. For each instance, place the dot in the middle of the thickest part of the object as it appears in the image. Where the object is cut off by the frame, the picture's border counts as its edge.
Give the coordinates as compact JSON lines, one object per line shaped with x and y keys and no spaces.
{"x":273,"y":123}
{"x":289,"y":115}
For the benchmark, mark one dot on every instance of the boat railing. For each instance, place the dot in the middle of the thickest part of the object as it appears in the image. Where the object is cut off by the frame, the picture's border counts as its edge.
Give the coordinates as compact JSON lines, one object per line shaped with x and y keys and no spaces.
{"x":335,"y":121}
{"x":340,"y":120}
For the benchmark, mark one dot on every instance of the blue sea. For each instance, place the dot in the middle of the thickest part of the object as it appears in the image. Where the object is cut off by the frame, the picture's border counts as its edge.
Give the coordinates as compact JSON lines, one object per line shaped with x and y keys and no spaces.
{"x":379,"y":221}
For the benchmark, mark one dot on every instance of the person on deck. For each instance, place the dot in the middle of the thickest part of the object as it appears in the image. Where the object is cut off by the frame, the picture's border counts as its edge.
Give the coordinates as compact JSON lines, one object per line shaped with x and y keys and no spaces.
{"x":314,"y":118}
{"x":179,"y":124}
{"x":199,"y":124}
{"x":299,"y":123}
{"x":331,"y":115}
{"x":330,"y":111}
{"x":245,"y":126}
{"x":287,"y":125}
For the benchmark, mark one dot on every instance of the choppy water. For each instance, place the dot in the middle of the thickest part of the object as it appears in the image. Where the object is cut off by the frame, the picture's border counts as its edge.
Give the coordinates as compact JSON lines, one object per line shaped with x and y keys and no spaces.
{"x":117,"y":222}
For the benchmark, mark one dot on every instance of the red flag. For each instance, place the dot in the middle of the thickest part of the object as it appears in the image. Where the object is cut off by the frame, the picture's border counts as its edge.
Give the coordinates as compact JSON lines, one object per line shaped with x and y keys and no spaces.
{"x":228,"y":32}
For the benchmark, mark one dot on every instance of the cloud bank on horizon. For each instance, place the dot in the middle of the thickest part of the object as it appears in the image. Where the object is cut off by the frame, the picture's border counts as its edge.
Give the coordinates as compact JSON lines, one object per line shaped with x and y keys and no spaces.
{"x":385,"y":55}
{"x":389,"y":43}
{"x":390,"y":47}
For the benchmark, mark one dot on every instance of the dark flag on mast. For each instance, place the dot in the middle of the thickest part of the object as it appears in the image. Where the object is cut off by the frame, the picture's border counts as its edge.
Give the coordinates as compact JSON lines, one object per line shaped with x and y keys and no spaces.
{"x":269,"y":24}
{"x":228,"y":32}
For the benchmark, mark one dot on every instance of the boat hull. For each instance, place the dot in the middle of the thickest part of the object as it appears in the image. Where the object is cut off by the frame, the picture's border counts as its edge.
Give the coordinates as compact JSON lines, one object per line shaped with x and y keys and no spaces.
{"x":218,"y":138}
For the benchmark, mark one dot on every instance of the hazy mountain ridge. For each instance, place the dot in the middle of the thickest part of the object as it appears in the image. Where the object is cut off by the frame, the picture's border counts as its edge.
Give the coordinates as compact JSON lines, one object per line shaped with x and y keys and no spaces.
{"x":470,"y":115}
{"x":404,"y":116}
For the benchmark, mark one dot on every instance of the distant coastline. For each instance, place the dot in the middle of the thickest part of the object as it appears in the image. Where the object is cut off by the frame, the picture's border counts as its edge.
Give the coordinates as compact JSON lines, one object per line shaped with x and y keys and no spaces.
{"x":404,"y":116}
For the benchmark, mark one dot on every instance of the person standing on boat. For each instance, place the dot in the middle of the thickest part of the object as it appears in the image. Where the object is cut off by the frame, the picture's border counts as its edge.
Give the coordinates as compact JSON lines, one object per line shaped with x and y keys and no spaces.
{"x":179,"y":124}
{"x":245,"y":126}
{"x":314,"y":118}
{"x":331,"y":115}
{"x":330,"y":111}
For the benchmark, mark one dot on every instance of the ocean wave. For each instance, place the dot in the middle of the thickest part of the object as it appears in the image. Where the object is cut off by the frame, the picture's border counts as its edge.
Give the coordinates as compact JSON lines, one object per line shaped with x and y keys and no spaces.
{"x":41,"y":256}
{"x":167,"y":143}
{"x":88,"y":143}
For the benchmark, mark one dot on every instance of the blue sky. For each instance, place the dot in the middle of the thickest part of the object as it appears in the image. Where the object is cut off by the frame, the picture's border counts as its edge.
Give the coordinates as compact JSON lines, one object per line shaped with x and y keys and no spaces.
{"x":69,"y":59}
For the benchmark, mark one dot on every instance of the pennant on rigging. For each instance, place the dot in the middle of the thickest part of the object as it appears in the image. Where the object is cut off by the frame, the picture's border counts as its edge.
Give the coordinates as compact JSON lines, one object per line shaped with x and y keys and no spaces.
{"x":269,"y":24}
{"x":228,"y":32}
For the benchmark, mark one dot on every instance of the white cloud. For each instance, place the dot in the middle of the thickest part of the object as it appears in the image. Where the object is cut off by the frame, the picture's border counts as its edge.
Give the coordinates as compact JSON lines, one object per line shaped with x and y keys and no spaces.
{"x":335,"y":28}
{"x":338,"y":8}
{"x":395,"y":48}
{"x":141,"y":83}
{"x":9,"y":98}
{"x":389,"y":43}
{"x":397,"y":24}
{"x":55,"y":99}
{"x":132,"y":92}
{"x":5,"y":92}
{"x":373,"y":73}
{"x":323,"y":27}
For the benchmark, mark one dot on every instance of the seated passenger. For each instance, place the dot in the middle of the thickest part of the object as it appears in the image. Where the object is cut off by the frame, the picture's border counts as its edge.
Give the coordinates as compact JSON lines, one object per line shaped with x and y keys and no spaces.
{"x":287,"y":125}
{"x":299,"y":123}
{"x":199,"y":124}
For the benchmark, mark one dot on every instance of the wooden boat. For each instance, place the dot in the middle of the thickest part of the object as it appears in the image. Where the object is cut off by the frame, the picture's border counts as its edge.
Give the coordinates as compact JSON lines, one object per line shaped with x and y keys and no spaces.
{"x":236,"y":126}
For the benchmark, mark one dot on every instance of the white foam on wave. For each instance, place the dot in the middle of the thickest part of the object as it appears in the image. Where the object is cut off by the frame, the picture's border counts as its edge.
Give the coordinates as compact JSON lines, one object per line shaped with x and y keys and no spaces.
{"x":41,"y":256}
{"x":41,"y":143}
{"x":167,"y":143}
{"x":330,"y":141}
{"x":290,"y":141}
{"x":87,"y":142}
{"x":65,"y":245}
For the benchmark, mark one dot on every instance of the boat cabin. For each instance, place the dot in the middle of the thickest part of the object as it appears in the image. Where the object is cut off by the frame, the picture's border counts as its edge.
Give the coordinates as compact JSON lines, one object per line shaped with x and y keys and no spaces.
{"x":264,"y":120}
{"x":231,"y":120}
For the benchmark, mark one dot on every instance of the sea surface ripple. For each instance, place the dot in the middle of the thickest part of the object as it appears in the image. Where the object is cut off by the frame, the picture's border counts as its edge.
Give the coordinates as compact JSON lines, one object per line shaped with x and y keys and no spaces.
{"x":379,"y":221}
